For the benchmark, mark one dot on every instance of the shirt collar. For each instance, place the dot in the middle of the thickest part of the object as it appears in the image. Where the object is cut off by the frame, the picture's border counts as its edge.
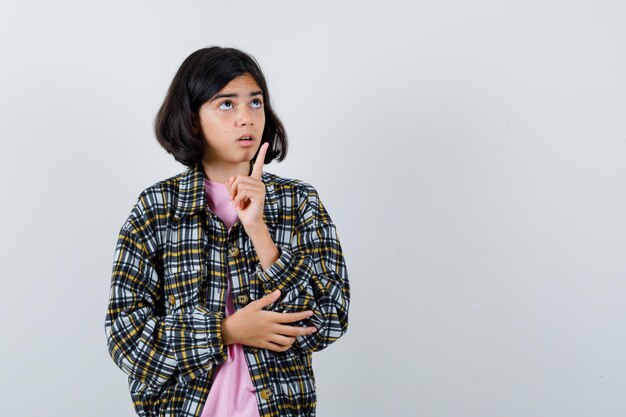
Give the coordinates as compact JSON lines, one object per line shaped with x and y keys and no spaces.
{"x":192,"y":197}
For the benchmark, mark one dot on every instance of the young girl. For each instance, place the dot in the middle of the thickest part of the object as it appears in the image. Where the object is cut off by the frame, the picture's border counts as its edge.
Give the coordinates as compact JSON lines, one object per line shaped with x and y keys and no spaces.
{"x":225,"y":277}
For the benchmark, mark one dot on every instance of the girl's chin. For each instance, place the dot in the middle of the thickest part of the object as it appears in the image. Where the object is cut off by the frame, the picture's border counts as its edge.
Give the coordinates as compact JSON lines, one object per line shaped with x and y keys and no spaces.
{"x":241,"y":156}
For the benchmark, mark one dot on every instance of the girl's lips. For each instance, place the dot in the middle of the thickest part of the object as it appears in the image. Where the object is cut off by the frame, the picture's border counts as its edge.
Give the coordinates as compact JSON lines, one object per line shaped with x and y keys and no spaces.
{"x":245,"y":143}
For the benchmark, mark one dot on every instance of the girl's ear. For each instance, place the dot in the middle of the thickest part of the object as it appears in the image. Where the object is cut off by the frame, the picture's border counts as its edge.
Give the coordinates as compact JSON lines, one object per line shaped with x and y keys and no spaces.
{"x":195,"y":123}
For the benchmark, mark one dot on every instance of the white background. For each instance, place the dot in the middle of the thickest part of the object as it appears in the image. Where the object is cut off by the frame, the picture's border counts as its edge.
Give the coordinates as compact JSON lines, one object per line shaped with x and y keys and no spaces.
{"x":471,"y":154}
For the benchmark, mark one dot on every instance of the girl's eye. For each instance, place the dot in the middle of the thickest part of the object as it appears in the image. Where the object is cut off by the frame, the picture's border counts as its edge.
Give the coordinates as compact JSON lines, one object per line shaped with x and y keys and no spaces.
{"x":260,"y":103}
{"x":226,"y":102}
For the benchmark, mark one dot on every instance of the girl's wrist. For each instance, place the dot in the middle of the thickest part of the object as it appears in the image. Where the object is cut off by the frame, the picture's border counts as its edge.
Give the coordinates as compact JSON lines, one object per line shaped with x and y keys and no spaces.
{"x":226,"y":331}
{"x":258,"y":231}
{"x":264,"y":245}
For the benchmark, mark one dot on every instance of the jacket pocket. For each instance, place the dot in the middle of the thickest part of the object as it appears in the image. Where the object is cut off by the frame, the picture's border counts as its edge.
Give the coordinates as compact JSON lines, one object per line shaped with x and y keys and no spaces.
{"x":306,"y":358}
{"x":147,"y":401}
{"x":182,"y":290}
{"x":166,"y":400}
{"x":296,"y":383}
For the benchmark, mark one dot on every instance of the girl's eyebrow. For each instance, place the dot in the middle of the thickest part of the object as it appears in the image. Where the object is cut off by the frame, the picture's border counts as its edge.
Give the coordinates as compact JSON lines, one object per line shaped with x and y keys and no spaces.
{"x":252,"y":94}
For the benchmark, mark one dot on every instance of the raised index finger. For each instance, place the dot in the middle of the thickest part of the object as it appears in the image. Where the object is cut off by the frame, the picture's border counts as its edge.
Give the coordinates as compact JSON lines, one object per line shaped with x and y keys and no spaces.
{"x":257,"y":170}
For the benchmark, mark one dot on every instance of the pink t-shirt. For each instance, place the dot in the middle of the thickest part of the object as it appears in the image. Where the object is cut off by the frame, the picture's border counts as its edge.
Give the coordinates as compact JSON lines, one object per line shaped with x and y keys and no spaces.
{"x":232,"y":393}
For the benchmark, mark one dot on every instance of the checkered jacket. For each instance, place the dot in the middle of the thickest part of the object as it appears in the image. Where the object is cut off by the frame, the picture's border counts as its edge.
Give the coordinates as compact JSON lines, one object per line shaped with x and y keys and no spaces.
{"x":168,"y":295}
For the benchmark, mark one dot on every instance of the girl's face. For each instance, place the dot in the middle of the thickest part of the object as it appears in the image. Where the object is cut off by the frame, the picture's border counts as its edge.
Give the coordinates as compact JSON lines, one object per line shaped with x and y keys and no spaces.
{"x":235,"y":111}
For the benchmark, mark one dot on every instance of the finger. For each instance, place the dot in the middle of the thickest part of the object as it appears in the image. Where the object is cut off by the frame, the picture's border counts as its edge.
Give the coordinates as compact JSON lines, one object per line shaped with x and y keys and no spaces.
{"x":244,"y":194}
{"x":233,"y":186}
{"x":243,"y":179}
{"x":266,"y":300}
{"x":236,"y":181}
{"x":295,"y":330}
{"x":257,"y":170}
{"x":250,"y":188}
{"x":229,"y":186}
{"x":277,"y":348}
{"x":291,"y":317}
{"x":279,"y":339}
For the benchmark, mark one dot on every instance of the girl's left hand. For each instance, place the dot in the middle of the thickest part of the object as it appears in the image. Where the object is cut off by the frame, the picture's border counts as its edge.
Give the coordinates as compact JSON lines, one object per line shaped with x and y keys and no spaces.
{"x":247,"y":193}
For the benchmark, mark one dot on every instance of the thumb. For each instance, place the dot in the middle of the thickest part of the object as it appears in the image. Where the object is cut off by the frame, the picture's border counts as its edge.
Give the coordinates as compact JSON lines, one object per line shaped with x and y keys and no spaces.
{"x":268,"y":299}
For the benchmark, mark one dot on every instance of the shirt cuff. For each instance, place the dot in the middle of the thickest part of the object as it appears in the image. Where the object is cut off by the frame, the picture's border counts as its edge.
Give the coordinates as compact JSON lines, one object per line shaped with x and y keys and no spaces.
{"x":275,"y":274}
{"x":211,"y":334}
{"x":197,"y":342}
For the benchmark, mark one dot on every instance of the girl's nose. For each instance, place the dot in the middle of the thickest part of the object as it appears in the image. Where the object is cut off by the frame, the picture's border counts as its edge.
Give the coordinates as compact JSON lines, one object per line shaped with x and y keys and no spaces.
{"x":244,"y":116}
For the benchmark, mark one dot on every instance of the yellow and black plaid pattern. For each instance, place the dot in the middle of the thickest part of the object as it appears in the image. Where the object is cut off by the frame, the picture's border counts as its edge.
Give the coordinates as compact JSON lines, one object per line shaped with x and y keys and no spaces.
{"x":168,"y":295}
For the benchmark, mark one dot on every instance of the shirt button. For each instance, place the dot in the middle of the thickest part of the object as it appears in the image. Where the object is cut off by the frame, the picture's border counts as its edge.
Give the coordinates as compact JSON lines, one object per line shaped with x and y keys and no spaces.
{"x":253,"y":349}
{"x":243,"y":299}
{"x":266,"y":393}
{"x":172,"y":299}
{"x":234,"y":250}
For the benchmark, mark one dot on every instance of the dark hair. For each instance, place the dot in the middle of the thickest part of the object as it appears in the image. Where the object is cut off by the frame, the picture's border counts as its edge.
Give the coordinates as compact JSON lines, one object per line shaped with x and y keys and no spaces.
{"x":202,"y":75}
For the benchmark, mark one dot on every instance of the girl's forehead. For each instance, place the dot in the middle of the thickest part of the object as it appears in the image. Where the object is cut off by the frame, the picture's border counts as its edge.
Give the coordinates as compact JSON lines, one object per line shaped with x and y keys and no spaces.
{"x":242,"y":82}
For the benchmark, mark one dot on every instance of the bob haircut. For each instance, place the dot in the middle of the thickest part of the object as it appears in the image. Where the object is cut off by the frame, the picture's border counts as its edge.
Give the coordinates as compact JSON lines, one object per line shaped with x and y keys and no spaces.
{"x":202,"y":75}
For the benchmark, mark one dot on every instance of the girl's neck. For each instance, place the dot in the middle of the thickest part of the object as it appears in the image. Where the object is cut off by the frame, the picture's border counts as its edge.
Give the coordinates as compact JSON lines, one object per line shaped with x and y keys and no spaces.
{"x":221,"y":173}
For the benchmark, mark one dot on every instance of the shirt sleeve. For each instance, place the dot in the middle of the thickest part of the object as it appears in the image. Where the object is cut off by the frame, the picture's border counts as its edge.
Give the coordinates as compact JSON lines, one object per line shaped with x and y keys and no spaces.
{"x":311,"y":274}
{"x":145,"y":343}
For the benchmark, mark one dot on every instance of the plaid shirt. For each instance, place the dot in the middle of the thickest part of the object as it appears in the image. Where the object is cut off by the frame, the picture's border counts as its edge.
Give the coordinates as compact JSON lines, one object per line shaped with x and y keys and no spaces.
{"x":168,"y":295}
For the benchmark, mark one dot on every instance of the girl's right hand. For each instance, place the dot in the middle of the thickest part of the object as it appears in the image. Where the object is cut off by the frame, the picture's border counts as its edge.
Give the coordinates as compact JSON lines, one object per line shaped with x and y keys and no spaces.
{"x":253,"y":326}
